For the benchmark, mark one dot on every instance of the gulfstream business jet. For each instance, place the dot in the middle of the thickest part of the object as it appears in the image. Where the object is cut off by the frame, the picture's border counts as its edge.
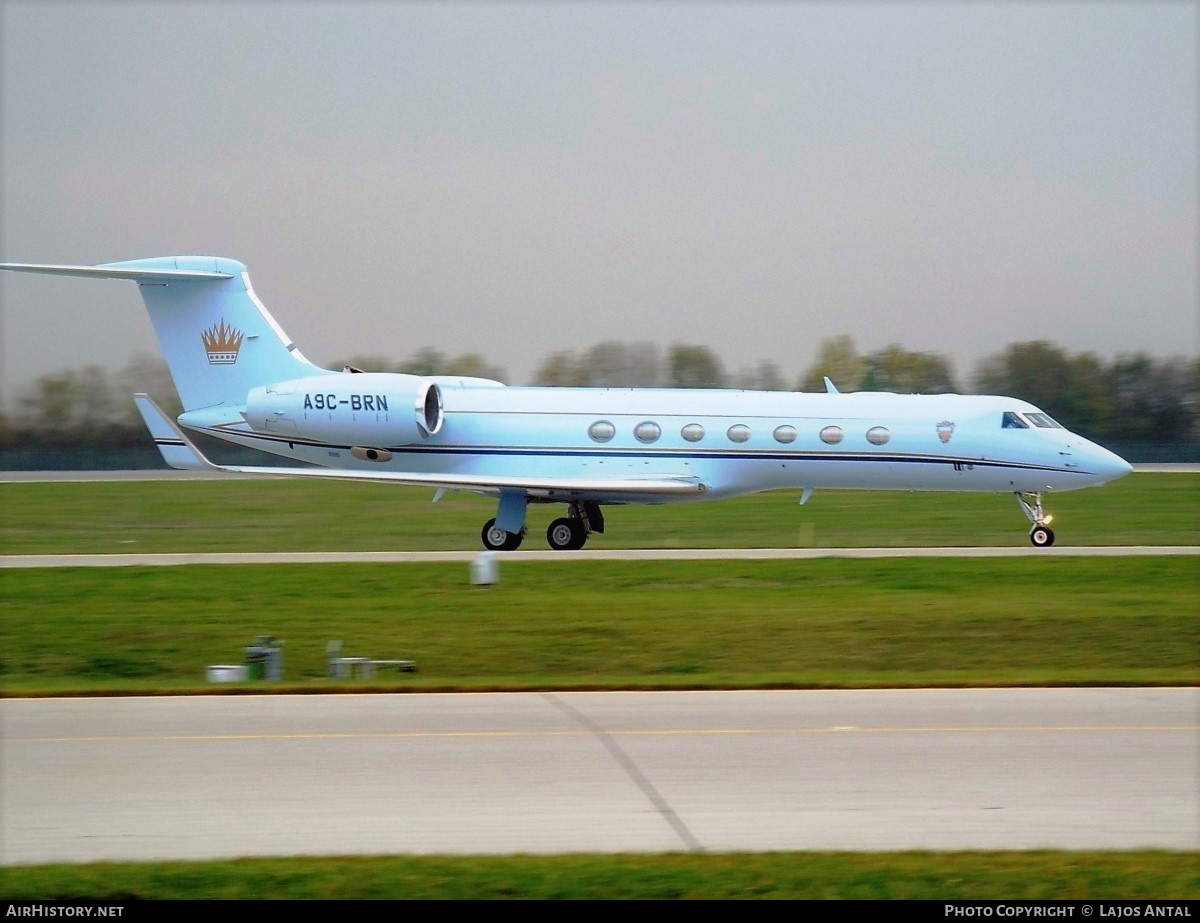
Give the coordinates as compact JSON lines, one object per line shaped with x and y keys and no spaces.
{"x":242,"y":380}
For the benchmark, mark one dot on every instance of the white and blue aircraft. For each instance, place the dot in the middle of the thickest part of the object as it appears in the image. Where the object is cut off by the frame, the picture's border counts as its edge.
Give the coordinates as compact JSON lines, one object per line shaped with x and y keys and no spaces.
{"x":241,"y":379}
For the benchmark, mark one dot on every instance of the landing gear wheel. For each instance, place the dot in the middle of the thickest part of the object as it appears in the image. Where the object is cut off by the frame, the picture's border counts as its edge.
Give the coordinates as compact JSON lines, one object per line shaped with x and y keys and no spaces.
{"x":499,"y":540}
{"x":1042,"y":536}
{"x":566,"y":535}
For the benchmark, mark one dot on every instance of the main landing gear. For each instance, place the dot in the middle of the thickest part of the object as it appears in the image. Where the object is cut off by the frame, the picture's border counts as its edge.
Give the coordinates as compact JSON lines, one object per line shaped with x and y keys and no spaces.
{"x":568,"y":533}
{"x":498,"y":540}
{"x":1041,"y":534}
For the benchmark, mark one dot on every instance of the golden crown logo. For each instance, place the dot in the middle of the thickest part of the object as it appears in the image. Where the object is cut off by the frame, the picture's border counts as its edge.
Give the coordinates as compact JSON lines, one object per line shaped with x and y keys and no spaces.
{"x":222,"y":343}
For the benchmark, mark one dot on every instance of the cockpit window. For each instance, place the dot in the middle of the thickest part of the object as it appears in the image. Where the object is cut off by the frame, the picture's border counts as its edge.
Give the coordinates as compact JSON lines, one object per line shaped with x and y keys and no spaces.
{"x":1012,"y":421}
{"x":1043,"y":420}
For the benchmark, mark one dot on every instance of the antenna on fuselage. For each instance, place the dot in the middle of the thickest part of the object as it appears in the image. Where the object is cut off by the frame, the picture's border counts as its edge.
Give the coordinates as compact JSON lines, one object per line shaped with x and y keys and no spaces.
{"x":830,"y":388}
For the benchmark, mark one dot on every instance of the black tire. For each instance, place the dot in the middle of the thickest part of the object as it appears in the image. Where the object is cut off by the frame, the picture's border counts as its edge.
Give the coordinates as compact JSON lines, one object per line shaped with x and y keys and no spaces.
{"x":1041,"y":536}
{"x":566,"y":535}
{"x":497,"y":539}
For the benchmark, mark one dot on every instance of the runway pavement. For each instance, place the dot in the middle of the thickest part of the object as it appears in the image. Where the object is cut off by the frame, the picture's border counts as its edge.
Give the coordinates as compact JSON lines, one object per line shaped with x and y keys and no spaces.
{"x":627,"y":554}
{"x":218,"y":776}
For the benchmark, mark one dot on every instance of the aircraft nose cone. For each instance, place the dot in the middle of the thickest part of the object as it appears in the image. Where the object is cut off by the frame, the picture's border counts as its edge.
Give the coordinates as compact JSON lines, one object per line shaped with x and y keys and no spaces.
{"x":1108,"y":465}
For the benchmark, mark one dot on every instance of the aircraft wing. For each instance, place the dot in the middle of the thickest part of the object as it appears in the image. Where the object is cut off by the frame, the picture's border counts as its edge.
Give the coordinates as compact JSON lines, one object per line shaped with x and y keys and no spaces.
{"x":180,"y":452}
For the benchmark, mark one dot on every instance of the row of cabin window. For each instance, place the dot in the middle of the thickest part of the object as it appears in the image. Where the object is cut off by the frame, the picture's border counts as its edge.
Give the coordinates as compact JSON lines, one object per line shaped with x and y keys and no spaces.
{"x":648,"y":432}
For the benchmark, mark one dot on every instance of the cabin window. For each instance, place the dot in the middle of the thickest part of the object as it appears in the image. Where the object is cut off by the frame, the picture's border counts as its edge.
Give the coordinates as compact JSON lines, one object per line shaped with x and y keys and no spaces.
{"x":1043,"y":420}
{"x":739,"y":432}
{"x":832,"y":435}
{"x":878,"y":435}
{"x":602,"y":431}
{"x":693,"y":432}
{"x":785,"y":434}
{"x":1013,"y":421}
{"x":647,"y":432}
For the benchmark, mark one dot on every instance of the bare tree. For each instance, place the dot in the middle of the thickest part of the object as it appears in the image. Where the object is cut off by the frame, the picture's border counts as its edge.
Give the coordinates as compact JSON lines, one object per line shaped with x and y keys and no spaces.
{"x":765,"y":376}
{"x":472,"y":365}
{"x":839,"y":360}
{"x":695,"y":367}
{"x":894,"y":368}
{"x":563,"y":369}
{"x":622,"y":365}
{"x":146,"y":374}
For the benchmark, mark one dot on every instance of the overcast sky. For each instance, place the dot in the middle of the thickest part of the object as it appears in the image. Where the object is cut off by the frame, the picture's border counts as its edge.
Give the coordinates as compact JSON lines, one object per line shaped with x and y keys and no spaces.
{"x":519,"y":179}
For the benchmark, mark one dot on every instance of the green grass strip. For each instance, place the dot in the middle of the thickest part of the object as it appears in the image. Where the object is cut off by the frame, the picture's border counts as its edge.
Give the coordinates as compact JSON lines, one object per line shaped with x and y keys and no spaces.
{"x":236,"y":514}
{"x":579,"y":624}
{"x":1008,"y":876}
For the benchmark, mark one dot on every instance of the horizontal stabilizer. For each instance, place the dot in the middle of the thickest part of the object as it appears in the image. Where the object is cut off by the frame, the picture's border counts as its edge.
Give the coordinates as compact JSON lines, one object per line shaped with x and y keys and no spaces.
{"x":218,"y":338}
{"x":117,"y":271}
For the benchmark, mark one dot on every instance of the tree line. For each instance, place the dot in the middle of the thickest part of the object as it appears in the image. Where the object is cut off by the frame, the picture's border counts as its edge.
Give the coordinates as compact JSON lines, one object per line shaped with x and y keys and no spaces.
{"x":1132,"y":400}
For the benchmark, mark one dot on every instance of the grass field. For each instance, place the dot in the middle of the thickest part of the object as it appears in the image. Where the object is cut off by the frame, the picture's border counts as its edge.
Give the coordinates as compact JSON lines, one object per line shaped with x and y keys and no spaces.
{"x":237,"y":514}
{"x":970,"y":876}
{"x":604,"y":624}
{"x":579,"y":624}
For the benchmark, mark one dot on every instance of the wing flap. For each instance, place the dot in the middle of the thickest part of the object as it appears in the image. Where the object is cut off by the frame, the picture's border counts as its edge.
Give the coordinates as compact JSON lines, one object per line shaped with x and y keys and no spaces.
{"x":549,"y":488}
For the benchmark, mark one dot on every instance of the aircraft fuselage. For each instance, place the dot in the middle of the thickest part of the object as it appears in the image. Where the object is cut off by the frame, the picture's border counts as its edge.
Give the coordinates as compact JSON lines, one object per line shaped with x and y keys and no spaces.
{"x":732,"y":441}
{"x":240,"y":378}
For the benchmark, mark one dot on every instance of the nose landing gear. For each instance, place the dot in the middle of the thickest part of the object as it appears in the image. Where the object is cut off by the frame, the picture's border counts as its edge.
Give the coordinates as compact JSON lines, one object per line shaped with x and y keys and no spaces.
{"x":1041,"y":535}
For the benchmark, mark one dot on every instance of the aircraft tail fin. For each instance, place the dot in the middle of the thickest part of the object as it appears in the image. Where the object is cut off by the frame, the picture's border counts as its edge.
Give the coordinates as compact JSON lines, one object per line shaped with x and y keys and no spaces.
{"x":218,"y":339}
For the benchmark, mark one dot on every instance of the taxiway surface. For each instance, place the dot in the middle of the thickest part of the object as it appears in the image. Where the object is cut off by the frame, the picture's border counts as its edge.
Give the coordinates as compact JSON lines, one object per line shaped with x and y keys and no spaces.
{"x":224,"y":776}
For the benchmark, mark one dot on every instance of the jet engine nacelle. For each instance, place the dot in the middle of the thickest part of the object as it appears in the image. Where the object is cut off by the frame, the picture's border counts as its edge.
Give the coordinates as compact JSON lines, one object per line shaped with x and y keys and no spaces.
{"x":368,"y":408}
